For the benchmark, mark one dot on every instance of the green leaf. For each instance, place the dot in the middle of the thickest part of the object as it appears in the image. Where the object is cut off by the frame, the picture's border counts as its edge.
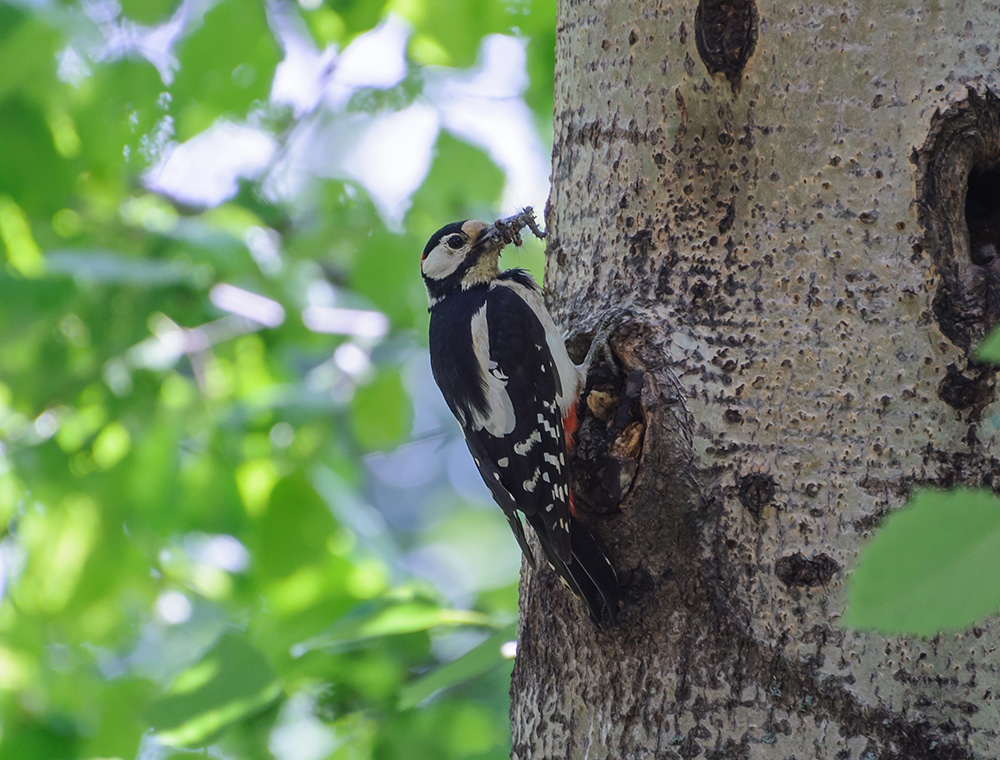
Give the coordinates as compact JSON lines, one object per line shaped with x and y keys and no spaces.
{"x":148,"y":11}
{"x":60,"y":542}
{"x":473,"y":663}
{"x":105,"y":267}
{"x":27,"y":53}
{"x":121,"y":722}
{"x":225,"y":65}
{"x":123,"y":123}
{"x":376,"y":621}
{"x":111,"y":445}
{"x":989,"y":348}
{"x":458,"y":26}
{"x":294,"y":529}
{"x":27,"y":152}
{"x":358,"y":15}
{"x":380,"y":412}
{"x":232,"y":681}
{"x":539,"y":28}
{"x":934,"y":566}
{"x":23,"y":254}
{"x":27,"y":737}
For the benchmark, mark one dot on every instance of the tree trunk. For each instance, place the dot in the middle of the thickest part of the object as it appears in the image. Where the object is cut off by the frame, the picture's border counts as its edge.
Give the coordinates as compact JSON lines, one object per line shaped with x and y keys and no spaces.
{"x":778,"y":194}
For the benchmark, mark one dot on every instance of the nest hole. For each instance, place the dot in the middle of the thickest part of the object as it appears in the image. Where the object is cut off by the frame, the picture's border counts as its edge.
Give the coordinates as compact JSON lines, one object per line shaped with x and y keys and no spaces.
{"x":610,"y":438}
{"x":958,"y":195}
{"x":982,"y":212}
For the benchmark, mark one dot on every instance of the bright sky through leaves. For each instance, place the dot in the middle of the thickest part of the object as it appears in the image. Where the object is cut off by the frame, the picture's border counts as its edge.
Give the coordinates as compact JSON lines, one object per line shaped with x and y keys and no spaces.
{"x":389,"y":154}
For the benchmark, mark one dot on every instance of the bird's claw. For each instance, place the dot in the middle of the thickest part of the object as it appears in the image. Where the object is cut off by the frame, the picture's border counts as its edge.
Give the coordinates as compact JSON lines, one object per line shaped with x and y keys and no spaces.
{"x":600,"y":345}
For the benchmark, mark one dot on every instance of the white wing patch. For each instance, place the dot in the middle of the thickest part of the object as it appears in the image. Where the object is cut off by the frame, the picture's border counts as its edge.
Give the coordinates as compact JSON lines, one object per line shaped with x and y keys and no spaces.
{"x":498,"y":420}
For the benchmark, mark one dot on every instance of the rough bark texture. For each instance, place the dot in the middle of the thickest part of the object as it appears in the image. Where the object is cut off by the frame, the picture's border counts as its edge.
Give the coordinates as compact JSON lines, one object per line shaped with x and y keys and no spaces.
{"x":790,"y":235}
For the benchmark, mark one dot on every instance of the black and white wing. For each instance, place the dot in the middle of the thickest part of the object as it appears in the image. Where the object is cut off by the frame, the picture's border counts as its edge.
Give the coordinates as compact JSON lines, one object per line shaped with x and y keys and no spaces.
{"x":503,"y":390}
{"x":521,"y":433}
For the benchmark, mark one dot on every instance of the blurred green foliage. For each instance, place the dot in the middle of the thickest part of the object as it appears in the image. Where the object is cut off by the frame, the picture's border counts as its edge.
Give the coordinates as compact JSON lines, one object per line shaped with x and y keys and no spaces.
{"x":195,"y":555}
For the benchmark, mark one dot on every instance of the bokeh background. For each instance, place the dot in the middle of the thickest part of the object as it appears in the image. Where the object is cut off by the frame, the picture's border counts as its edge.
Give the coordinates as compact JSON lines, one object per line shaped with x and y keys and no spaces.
{"x":237,"y":519}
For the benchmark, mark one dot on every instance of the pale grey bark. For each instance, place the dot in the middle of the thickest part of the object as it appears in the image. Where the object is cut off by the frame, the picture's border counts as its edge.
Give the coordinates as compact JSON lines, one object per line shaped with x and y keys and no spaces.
{"x":794,"y":249}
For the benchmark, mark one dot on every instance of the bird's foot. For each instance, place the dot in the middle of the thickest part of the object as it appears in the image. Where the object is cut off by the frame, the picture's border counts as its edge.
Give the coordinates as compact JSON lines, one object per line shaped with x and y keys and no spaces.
{"x":600,"y":346}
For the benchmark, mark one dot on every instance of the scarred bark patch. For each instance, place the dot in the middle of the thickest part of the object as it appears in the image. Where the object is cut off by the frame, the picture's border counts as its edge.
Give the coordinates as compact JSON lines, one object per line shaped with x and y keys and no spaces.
{"x":972,"y":389}
{"x":799,"y":570}
{"x":756,"y":491}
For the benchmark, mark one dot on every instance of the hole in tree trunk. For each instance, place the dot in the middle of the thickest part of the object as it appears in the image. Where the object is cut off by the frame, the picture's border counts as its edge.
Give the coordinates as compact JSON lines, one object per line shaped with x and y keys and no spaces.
{"x":609,"y":442}
{"x":958,"y":196}
{"x":725,"y":34}
{"x":982,"y":213}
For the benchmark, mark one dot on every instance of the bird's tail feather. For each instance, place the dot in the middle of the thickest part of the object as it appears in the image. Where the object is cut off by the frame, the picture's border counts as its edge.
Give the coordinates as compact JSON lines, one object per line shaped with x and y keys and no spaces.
{"x":595,"y":575}
{"x":589,"y":574}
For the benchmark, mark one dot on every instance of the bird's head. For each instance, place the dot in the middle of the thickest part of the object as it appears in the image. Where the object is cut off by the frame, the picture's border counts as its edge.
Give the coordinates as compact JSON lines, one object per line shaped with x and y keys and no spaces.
{"x":460,"y":256}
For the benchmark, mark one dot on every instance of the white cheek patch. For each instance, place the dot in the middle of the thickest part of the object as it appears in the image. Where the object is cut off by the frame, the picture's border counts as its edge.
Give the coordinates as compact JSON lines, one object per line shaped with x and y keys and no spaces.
{"x":441,"y":263}
{"x":498,"y":420}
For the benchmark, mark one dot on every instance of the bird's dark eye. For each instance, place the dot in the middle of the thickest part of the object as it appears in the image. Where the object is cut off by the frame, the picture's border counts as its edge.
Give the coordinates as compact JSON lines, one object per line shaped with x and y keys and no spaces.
{"x":456,"y":241}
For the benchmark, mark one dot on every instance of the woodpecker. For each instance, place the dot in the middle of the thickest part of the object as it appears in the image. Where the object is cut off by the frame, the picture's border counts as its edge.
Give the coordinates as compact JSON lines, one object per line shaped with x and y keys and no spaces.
{"x":503,"y":369}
